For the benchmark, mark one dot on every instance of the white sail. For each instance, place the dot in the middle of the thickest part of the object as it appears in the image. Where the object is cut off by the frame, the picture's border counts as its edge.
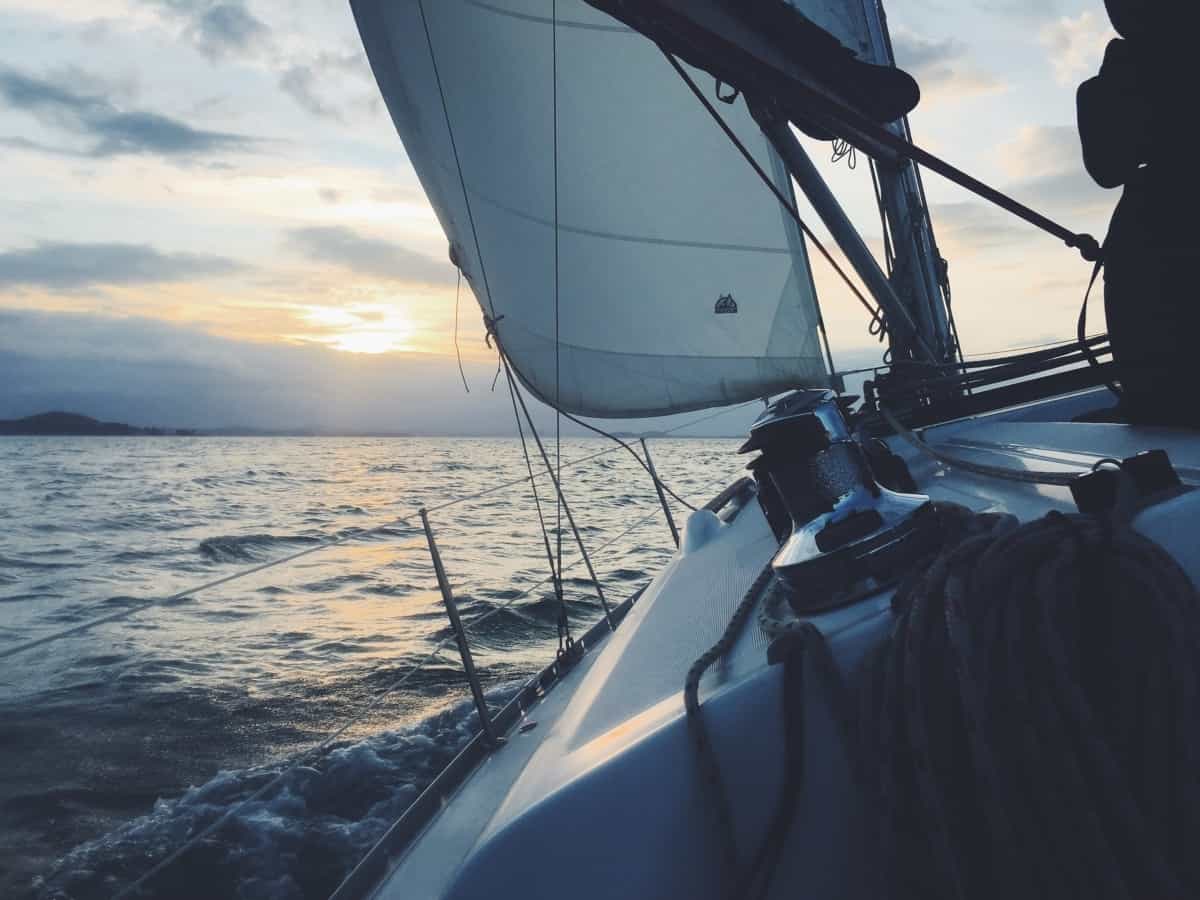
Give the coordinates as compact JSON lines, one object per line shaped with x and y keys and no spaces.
{"x":663,"y":229}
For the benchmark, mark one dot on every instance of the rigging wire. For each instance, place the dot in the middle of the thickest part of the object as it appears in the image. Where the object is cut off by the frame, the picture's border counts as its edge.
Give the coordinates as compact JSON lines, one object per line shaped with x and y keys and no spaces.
{"x":457,"y":161}
{"x":557,"y":486}
{"x":372,"y":704}
{"x":641,"y":462}
{"x":564,"y":628}
{"x":557,"y":343}
{"x":181,"y":595}
{"x":876,"y":314}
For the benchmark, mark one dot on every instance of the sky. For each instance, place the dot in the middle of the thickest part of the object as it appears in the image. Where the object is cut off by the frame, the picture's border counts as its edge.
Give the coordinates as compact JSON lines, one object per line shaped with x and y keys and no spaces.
{"x":210,"y":221}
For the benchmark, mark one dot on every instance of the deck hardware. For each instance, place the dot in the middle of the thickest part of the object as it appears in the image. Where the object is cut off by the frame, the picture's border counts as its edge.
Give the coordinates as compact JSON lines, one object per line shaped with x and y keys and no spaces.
{"x":849,"y":535}
{"x":662,"y":498}
{"x":1123,"y":488}
{"x":460,"y":635}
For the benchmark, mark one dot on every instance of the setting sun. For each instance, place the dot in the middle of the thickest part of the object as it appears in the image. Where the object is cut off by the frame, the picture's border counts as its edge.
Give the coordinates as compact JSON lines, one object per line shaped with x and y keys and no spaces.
{"x":362,"y":329}
{"x":370,"y":341}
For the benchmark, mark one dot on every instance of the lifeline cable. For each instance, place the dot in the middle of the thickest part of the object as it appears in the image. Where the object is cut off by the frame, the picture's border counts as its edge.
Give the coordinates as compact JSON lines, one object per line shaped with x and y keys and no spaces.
{"x":557,"y":487}
{"x":134,"y":888}
{"x":564,"y":626}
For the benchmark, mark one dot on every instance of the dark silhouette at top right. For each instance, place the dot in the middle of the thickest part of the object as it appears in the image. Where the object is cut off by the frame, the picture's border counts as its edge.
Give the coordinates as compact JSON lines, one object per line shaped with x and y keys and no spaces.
{"x":1137,"y":124}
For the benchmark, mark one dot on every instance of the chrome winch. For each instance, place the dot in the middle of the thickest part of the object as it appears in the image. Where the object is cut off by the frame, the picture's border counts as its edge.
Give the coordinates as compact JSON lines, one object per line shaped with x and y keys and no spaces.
{"x":842,"y":534}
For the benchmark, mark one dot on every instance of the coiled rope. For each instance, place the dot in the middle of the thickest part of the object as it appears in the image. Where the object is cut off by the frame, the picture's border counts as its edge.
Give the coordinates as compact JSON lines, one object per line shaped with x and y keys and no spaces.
{"x":1031,"y":727}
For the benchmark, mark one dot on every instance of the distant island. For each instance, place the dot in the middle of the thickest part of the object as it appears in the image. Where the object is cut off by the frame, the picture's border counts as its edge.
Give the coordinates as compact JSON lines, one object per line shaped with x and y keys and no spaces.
{"x":66,"y":423}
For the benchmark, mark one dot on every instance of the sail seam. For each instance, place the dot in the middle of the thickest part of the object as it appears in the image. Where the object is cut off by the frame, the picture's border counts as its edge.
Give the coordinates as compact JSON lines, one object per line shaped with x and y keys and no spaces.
{"x":542,"y":20}
{"x":629,"y":238}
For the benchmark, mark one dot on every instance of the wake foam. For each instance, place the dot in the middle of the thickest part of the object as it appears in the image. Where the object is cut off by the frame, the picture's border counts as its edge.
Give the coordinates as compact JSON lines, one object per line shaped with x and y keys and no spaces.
{"x":295,"y":843}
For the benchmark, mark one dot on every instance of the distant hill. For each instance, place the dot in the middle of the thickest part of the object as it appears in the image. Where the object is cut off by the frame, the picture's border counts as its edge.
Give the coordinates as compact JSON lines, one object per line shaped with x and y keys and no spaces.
{"x":66,"y":423}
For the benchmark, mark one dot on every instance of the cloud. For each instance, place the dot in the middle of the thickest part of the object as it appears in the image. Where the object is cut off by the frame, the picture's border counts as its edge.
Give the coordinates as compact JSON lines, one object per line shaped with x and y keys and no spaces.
{"x":1041,"y":150}
{"x":150,"y":372}
{"x":301,"y":84}
{"x":346,"y":248}
{"x":940,"y":67}
{"x":1024,"y":8}
{"x":227,"y":29}
{"x":972,"y":226}
{"x":1045,"y":164}
{"x":312,"y":83}
{"x":1044,"y":168}
{"x":1076,"y":45}
{"x":64,"y":266}
{"x":109,"y":130}
{"x":220,"y":29}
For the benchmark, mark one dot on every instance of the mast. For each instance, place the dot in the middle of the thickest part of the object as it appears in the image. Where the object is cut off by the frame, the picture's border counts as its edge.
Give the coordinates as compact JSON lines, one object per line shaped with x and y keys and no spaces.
{"x":918,"y":272}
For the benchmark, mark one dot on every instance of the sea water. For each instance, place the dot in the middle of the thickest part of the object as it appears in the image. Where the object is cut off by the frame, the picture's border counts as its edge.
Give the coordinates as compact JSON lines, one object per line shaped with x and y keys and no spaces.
{"x":120,"y":743}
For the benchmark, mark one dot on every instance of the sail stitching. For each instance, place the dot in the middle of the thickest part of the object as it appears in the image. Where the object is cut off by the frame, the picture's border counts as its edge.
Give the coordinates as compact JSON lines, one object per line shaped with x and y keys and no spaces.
{"x":542,"y":20}
{"x":631,"y":238}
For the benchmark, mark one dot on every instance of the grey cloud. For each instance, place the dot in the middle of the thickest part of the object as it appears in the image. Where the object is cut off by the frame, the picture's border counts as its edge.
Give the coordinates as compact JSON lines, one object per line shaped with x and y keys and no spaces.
{"x":150,"y":372}
{"x":940,"y":66}
{"x":219,"y":29}
{"x":110,"y":131}
{"x":312,"y":83}
{"x":915,"y":52}
{"x":66,"y":266}
{"x":347,"y":248}
{"x":301,"y":84}
{"x":976,"y":226}
{"x":228,"y":29}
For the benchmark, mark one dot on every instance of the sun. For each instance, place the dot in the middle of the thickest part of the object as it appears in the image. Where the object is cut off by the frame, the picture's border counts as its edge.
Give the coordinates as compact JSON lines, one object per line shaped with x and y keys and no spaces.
{"x":369,"y":341}
{"x":374,"y":328}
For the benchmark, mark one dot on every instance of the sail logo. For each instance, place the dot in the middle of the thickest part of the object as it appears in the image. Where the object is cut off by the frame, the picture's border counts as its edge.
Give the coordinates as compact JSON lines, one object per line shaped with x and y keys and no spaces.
{"x":726,"y":305}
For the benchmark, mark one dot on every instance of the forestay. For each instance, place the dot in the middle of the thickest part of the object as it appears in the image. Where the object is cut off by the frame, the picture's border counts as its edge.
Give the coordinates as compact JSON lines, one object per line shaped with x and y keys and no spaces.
{"x":681,"y":283}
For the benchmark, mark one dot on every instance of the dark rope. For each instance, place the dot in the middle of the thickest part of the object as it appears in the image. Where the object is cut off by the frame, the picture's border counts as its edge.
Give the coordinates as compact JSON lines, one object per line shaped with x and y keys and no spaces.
{"x":457,"y":351}
{"x":709,"y":766}
{"x":1031,"y":727}
{"x":1081,"y":327}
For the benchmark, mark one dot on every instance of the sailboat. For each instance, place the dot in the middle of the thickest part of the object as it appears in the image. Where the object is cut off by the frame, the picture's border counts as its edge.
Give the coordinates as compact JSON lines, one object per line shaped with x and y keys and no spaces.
{"x":862,"y":672}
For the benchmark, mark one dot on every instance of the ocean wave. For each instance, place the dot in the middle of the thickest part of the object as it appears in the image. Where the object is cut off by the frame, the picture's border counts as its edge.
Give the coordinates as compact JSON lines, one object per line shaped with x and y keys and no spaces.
{"x":296,"y":842}
{"x":248,"y":547}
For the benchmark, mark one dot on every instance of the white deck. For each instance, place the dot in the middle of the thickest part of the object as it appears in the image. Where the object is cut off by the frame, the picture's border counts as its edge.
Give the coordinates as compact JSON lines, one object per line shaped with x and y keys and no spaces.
{"x":602,"y":798}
